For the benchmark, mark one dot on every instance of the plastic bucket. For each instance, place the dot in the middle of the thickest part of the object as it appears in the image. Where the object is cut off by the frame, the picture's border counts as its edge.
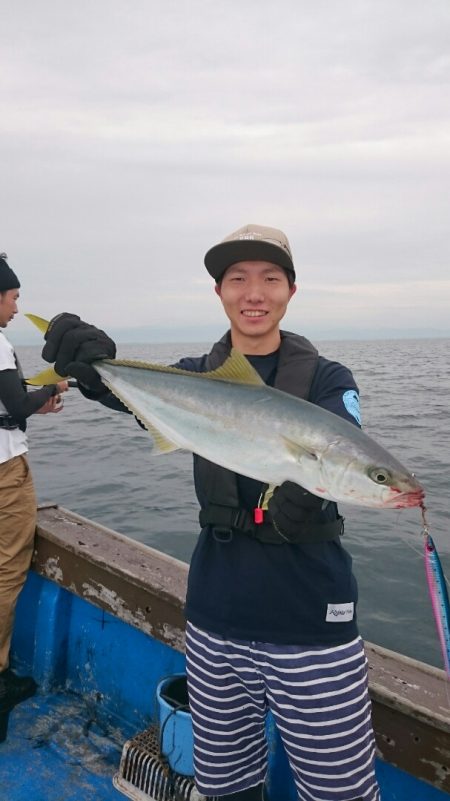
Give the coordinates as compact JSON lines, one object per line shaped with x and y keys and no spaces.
{"x":175,"y":724}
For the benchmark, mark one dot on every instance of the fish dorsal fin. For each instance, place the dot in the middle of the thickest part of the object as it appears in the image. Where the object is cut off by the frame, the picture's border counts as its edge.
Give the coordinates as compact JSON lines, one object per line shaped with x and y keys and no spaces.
{"x":236,"y":368}
{"x":45,"y":377}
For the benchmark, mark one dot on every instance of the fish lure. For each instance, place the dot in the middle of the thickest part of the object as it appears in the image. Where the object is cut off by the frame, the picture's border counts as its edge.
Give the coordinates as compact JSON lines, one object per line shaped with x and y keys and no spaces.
{"x":439,"y":596}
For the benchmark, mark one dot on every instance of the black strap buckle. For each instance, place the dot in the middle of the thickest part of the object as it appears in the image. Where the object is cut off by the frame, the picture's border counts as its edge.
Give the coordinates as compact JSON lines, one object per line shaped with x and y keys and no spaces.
{"x":242,"y":520}
{"x":222,"y":534}
{"x":7,"y":422}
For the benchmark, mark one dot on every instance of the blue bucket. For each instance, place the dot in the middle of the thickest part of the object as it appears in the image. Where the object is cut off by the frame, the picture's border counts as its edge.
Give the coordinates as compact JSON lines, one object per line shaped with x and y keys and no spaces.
{"x":175,"y":724}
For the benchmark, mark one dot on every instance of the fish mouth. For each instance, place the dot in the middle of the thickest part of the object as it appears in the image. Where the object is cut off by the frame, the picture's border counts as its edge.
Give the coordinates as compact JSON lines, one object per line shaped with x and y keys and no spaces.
{"x":406,"y":500}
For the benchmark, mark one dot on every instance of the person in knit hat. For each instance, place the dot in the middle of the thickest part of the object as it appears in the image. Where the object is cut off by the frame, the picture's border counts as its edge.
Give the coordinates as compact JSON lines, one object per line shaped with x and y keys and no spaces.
{"x":17,"y":496}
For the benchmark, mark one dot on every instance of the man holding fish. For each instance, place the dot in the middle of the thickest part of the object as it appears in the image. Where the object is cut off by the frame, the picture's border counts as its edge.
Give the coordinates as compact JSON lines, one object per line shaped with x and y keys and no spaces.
{"x":271,"y":600}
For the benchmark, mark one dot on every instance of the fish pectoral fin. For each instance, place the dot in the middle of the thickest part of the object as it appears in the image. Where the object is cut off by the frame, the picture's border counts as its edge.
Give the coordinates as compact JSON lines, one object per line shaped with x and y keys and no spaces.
{"x":236,"y":368}
{"x":298,"y":451}
{"x":45,"y":377}
{"x":39,"y":322}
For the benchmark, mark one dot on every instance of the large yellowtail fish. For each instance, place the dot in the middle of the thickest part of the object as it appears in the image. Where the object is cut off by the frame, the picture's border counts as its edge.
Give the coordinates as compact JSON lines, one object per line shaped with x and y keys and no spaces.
{"x":232,"y":418}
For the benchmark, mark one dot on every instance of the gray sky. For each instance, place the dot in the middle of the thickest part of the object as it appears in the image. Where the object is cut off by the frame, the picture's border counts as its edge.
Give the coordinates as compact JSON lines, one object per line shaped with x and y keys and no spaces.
{"x":135,"y":134}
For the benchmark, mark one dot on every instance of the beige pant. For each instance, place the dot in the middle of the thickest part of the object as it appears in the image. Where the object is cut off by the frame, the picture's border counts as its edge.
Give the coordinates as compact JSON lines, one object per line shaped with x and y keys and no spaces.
{"x":17,"y":529}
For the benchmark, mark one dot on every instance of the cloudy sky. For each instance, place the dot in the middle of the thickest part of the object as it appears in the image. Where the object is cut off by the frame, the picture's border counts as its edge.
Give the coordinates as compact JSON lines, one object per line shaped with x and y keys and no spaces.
{"x":135,"y":134}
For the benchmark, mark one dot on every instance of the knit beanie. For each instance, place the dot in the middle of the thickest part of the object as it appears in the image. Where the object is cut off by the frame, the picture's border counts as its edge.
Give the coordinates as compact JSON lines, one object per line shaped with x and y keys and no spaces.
{"x":8,"y":278}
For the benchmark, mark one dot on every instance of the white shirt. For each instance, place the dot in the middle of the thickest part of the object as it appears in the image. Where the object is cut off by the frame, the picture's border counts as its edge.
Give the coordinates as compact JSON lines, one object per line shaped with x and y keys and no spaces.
{"x":12,"y":443}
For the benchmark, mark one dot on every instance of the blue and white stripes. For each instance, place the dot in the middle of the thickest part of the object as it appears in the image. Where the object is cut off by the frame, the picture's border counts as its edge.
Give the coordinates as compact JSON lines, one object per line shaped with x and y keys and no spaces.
{"x":318,"y":697}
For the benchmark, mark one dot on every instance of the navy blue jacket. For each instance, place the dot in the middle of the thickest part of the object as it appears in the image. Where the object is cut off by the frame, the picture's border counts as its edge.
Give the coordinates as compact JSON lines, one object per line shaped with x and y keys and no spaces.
{"x":292,"y":594}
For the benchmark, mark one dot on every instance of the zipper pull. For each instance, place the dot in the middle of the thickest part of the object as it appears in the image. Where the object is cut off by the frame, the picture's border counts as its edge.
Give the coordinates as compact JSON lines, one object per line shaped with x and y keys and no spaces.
{"x":258,"y":515}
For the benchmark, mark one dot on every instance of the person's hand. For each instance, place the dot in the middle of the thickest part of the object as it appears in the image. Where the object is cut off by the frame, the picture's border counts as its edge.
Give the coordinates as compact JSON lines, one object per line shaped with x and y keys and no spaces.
{"x":291,"y":506}
{"x":73,"y":345}
{"x":62,"y":386}
{"x":53,"y":405}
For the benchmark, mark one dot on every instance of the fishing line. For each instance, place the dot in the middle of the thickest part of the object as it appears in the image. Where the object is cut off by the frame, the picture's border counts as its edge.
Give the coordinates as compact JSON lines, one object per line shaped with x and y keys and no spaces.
{"x":412,"y":547}
{"x":406,"y":539}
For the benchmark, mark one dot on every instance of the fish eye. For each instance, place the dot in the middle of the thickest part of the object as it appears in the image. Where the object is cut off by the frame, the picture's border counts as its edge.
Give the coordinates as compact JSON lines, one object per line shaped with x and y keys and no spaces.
{"x":380,"y":475}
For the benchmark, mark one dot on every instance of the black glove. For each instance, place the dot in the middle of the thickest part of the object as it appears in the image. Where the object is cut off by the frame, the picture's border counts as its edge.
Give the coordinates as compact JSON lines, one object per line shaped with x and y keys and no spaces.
{"x":291,"y":506}
{"x":73,"y":345}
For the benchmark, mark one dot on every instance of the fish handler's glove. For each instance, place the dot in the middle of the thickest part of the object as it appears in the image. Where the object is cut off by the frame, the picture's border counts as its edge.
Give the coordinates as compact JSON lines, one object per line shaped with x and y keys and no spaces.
{"x":73,"y":345}
{"x":291,"y":506}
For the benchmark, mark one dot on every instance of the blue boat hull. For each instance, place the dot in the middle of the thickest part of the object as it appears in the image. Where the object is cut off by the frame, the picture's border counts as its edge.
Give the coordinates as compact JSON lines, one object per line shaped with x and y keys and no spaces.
{"x":98,"y":673}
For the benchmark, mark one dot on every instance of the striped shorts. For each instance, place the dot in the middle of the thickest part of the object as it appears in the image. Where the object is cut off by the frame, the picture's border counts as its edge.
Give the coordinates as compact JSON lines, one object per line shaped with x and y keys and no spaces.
{"x":319,"y":700}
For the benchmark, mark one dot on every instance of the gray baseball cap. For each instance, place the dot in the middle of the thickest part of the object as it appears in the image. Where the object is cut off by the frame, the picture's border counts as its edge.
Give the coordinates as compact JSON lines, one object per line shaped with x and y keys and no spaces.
{"x":250,"y":243}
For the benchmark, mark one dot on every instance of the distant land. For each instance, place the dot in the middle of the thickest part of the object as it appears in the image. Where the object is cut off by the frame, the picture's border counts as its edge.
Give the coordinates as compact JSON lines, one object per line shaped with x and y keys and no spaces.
{"x":206,"y":334}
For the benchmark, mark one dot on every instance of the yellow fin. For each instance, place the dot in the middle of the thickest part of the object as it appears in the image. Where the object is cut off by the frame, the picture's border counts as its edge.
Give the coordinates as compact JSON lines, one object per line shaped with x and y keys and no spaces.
{"x":235,"y":368}
{"x":45,"y":377}
{"x":160,"y":443}
{"x":39,"y":322}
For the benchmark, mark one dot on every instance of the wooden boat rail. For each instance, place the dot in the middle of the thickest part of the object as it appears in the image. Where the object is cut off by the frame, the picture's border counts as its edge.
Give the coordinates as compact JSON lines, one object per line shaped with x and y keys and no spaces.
{"x":146,"y":589}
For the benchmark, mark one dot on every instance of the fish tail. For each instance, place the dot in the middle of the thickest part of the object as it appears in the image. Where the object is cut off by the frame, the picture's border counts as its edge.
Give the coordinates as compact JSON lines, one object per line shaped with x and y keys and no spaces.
{"x":49,"y":375}
{"x":45,"y":377}
{"x":39,"y":322}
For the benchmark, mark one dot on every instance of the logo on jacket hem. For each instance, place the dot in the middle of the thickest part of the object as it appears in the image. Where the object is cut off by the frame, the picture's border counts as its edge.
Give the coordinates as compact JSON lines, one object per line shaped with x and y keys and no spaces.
{"x":340,"y":613}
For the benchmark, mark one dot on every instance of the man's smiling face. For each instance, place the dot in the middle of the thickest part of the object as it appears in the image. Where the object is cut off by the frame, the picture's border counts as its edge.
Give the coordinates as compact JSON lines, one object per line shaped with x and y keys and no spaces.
{"x":255,"y":295}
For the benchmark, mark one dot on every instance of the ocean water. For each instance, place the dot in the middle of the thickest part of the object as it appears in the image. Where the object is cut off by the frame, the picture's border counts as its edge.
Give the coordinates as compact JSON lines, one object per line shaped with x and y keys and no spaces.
{"x":100,"y":464}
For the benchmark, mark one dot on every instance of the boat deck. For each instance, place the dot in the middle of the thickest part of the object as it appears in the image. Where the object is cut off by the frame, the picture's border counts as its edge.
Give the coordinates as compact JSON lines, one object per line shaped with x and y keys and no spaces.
{"x":58,"y":751}
{"x":61,"y":752}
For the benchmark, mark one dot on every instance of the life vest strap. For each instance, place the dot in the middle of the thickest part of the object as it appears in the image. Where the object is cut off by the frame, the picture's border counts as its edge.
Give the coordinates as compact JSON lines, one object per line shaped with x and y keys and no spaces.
{"x":224,"y":521}
{"x":8,"y":422}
